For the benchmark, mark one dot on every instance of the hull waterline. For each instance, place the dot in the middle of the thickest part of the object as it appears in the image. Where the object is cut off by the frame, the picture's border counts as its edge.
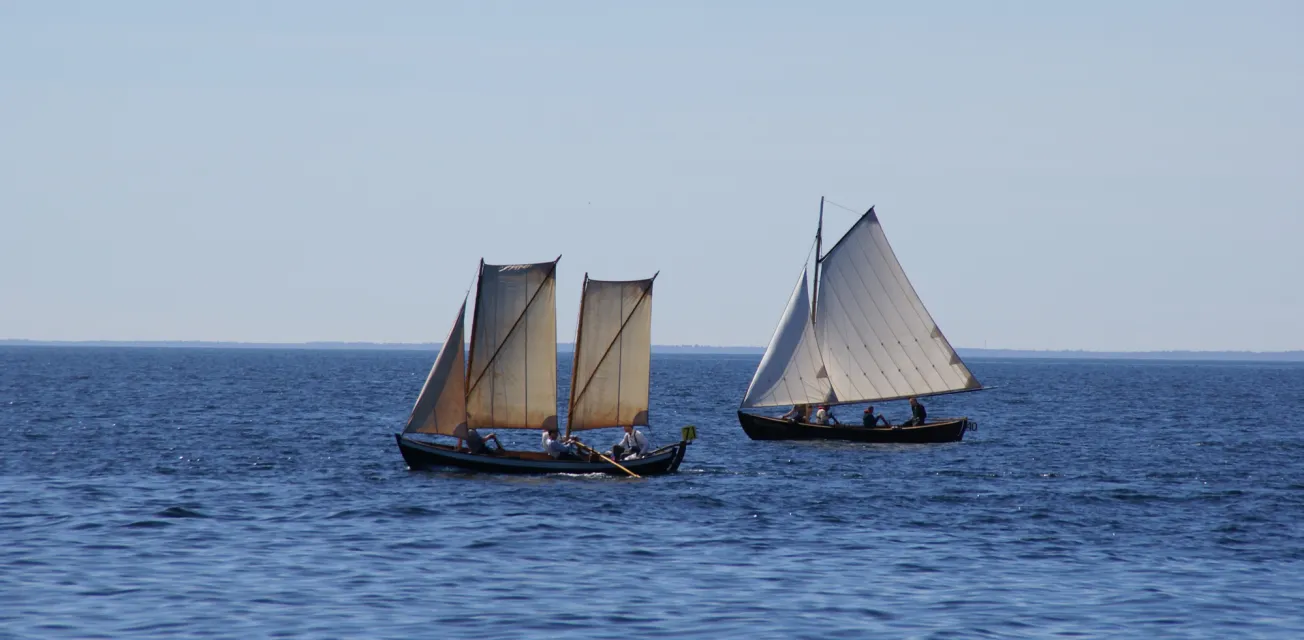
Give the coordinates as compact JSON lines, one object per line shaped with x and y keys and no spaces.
{"x":766,"y":428}
{"x":422,"y":456}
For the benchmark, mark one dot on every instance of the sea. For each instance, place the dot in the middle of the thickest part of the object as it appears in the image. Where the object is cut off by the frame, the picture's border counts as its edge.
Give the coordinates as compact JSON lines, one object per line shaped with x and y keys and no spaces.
{"x":256,"y":493}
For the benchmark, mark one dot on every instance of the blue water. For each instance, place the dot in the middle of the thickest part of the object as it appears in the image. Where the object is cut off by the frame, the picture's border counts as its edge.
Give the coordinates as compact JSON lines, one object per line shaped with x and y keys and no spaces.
{"x":249,"y":493}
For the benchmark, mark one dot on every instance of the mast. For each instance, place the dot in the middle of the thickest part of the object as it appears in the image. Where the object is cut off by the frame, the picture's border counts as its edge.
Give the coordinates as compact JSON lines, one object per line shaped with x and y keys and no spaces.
{"x":575,"y":357}
{"x":475,"y":313}
{"x":819,"y":238}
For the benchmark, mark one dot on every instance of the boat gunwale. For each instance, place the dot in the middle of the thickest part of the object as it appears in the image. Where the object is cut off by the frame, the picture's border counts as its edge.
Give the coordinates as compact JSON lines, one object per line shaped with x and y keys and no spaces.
{"x":769,"y":428}
{"x":927,"y":425}
{"x":663,"y":460}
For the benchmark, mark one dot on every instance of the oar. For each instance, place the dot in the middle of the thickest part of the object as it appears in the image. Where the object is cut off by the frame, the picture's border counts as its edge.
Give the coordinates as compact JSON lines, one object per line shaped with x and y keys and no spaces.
{"x":618,"y":465}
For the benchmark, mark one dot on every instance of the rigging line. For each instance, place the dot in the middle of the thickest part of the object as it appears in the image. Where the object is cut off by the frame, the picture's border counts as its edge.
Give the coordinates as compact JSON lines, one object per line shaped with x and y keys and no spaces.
{"x":809,"y":253}
{"x":465,"y":297}
{"x":843,"y":207}
{"x":471,"y":285}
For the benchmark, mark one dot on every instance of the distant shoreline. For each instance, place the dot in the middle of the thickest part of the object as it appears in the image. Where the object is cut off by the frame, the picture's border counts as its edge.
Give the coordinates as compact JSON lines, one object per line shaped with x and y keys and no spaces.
{"x":1229,"y":356}
{"x":336,"y":346}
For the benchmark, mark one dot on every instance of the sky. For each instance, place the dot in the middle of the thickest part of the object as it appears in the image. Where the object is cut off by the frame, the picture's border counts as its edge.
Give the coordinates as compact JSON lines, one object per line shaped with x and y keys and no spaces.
{"x":1106,"y":176}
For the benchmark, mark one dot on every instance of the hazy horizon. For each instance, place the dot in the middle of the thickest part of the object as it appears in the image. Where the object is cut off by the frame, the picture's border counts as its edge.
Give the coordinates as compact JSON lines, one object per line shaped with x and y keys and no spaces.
{"x":566,"y":347}
{"x":1105,"y":177}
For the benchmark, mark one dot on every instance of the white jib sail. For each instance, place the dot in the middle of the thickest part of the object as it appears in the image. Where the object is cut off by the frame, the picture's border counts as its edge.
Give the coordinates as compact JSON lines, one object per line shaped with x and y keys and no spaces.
{"x":512,"y":373}
{"x":877,"y":340}
{"x":791,"y":371}
{"x":613,"y":355}
{"x":441,"y":406}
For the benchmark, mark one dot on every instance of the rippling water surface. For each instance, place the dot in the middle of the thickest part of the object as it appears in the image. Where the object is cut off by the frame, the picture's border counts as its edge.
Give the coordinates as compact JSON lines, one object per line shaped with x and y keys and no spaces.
{"x":250,"y":493}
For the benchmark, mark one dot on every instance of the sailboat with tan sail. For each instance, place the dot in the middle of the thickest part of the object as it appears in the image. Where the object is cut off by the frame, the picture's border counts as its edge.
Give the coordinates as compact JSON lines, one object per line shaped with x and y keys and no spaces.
{"x":509,"y":380}
{"x":862,"y":336}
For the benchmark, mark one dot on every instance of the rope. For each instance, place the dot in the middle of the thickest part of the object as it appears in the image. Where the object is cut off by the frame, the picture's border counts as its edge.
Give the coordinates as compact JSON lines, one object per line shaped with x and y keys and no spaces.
{"x":843,"y":207}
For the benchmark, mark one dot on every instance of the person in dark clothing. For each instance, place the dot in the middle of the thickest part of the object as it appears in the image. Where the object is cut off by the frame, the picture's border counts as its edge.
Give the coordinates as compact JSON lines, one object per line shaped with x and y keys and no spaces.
{"x":917,"y":414}
{"x":475,"y":443}
{"x":872,"y":419}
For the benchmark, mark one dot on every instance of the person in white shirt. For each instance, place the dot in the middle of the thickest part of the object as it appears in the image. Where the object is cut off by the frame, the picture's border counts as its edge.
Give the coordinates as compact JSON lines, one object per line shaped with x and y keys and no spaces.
{"x":798,"y":413}
{"x":554,"y":446}
{"x":633,"y":445}
{"x":823,"y":416}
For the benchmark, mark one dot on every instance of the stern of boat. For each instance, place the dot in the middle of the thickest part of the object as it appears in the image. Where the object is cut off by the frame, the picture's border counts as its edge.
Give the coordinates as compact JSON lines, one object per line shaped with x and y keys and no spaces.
{"x":679,"y":457}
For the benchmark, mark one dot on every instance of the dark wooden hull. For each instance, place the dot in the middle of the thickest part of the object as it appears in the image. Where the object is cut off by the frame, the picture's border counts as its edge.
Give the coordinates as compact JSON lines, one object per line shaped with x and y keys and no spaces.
{"x":766,"y":428}
{"x":425,"y":455}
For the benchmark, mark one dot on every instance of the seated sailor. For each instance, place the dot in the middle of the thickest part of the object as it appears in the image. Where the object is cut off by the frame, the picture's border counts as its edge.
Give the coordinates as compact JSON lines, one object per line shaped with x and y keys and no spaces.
{"x":554,"y":446}
{"x":872,"y":419}
{"x":797,"y":414}
{"x":633,"y":445}
{"x":824,"y":415}
{"x":475,"y":443}
{"x":917,"y":414}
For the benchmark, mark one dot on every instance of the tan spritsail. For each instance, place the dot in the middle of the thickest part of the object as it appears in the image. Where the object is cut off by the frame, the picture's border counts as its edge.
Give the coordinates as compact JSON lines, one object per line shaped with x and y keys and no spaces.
{"x":441,"y":406}
{"x":613,"y":350}
{"x":512,"y":369}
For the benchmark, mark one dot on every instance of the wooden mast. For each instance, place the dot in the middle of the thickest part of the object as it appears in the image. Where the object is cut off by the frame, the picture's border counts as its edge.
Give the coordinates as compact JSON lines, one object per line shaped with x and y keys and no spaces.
{"x":479,"y":285}
{"x":575,"y":359}
{"x":819,"y":237}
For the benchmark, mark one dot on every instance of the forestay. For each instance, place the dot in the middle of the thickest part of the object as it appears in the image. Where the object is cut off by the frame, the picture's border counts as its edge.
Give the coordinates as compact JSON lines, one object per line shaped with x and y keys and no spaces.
{"x":441,"y":405}
{"x":791,"y":371}
{"x":512,"y":373}
{"x":877,"y":340}
{"x":613,"y":351}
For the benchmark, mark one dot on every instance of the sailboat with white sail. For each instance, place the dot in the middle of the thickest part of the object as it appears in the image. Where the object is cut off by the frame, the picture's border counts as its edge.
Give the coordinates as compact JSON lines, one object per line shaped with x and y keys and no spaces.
{"x":862,"y":336}
{"x":509,"y":380}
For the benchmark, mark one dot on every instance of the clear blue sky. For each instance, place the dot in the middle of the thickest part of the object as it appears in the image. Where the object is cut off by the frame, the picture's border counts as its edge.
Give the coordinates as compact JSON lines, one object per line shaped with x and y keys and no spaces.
{"x":1104,"y":175}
